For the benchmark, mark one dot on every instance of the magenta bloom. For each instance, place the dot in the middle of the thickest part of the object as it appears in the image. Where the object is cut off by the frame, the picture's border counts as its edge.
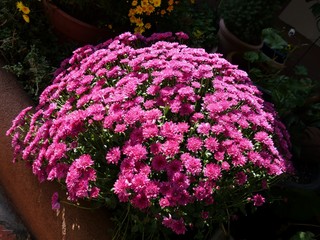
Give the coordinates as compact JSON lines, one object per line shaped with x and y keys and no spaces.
{"x":177,"y":226}
{"x":175,"y":132}
{"x":55,"y":201}
{"x":212,"y":171}
{"x":114,"y":155}
{"x":258,"y":200}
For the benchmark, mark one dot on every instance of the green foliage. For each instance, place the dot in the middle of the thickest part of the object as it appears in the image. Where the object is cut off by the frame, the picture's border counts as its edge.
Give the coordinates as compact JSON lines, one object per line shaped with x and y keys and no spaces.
{"x":274,"y":40}
{"x":199,"y":21}
{"x":30,"y":50}
{"x":315,"y":9}
{"x":294,"y":95}
{"x":303,"y":236}
{"x":247,"y":19}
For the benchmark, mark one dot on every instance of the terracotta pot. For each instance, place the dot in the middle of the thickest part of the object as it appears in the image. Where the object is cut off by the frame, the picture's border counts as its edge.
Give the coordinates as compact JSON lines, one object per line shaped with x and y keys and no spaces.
{"x":69,"y":28}
{"x":230,"y":45}
{"x":31,"y":199}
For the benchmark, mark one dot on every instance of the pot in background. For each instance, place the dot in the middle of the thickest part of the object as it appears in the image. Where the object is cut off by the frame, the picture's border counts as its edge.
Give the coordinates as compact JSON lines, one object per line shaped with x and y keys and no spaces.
{"x":230,"y":45}
{"x":69,"y":28}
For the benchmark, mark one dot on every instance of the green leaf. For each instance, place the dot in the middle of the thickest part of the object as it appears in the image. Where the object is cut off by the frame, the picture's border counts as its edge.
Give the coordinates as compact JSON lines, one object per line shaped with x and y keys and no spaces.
{"x":301,"y":70}
{"x":315,"y":9}
{"x":251,"y":56}
{"x":303,"y":236}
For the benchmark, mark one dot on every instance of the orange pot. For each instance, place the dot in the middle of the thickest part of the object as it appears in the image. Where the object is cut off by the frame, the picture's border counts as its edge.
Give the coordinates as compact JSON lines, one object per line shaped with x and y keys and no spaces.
{"x":32,"y":200}
{"x":70,"y":28}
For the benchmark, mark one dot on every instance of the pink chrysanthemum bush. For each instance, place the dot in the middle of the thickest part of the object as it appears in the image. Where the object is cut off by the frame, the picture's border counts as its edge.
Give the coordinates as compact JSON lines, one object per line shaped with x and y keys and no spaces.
{"x":176,"y":138}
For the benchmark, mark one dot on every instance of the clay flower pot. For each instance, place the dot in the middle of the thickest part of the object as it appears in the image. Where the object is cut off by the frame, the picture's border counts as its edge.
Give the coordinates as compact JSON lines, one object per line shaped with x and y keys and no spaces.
{"x":230,"y":45}
{"x":32,"y":200}
{"x":69,"y":28}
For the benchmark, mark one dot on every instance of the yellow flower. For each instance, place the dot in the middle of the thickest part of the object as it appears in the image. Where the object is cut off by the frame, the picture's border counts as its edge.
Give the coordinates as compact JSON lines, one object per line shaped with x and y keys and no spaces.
{"x":139,"y":10}
{"x":26,"y":18}
{"x":144,"y":8}
{"x":139,"y":22}
{"x":22,"y":8}
{"x":144,"y":3}
{"x":198,"y":34}
{"x":139,"y":30}
{"x":134,"y":3}
{"x":170,"y":8}
{"x":19,"y":5}
{"x":150,"y":9}
{"x":163,"y":12}
{"x":157,"y":3}
{"x":132,"y":12}
{"x":147,"y":25}
{"x":132,"y":19}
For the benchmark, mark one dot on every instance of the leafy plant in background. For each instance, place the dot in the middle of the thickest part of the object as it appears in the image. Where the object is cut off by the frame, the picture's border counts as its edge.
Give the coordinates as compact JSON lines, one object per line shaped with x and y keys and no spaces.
{"x":24,"y":45}
{"x":292,"y":94}
{"x":140,"y":16}
{"x":274,"y":46}
{"x":303,"y":236}
{"x":315,"y":9}
{"x":198,"y":20}
{"x":247,"y":19}
{"x":175,"y":139}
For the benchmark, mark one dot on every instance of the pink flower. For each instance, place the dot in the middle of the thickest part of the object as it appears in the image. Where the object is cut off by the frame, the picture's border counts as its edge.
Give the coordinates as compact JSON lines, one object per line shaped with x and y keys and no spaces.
{"x":177,"y":226}
{"x":121,"y":187}
{"x":120,"y":128}
{"x":182,"y":35}
{"x":258,"y":200}
{"x":262,"y":137}
{"x":203,"y":190}
{"x":212,"y":171}
{"x":241,"y":178}
{"x":164,"y":202}
{"x":136,"y":152}
{"x":193,"y":165}
{"x":150,"y":130}
{"x":211,"y":144}
{"x":168,"y":129}
{"x":79,"y":176}
{"x":55,"y":201}
{"x":170,"y":148}
{"x":159,"y":162}
{"x":140,"y":201}
{"x":194,"y":144}
{"x":173,"y":167}
{"x":113,"y":155}
{"x":83,"y":162}
{"x":204,"y":215}
{"x":165,"y":128}
{"x":204,"y":128}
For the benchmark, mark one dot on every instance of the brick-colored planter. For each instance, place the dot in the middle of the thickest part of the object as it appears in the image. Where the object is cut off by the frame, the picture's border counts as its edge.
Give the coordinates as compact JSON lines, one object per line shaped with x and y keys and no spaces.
{"x":31,"y":199}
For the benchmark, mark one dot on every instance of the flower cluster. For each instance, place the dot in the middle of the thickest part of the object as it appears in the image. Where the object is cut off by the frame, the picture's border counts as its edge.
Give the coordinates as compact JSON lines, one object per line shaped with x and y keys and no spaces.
{"x":181,"y":135}
{"x":147,"y":8}
{"x":25,"y":11}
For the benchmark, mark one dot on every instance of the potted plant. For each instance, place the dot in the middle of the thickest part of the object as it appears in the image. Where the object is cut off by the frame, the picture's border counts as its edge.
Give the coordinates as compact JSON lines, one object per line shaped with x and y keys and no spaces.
{"x":242,"y":22}
{"x":275,"y":47}
{"x":172,"y":139}
{"x":274,"y":52}
{"x":107,"y":18}
{"x":102,"y":19}
{"x":296,"y":97}
{"x":198,"y":20}
{"x":315,"y":9}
